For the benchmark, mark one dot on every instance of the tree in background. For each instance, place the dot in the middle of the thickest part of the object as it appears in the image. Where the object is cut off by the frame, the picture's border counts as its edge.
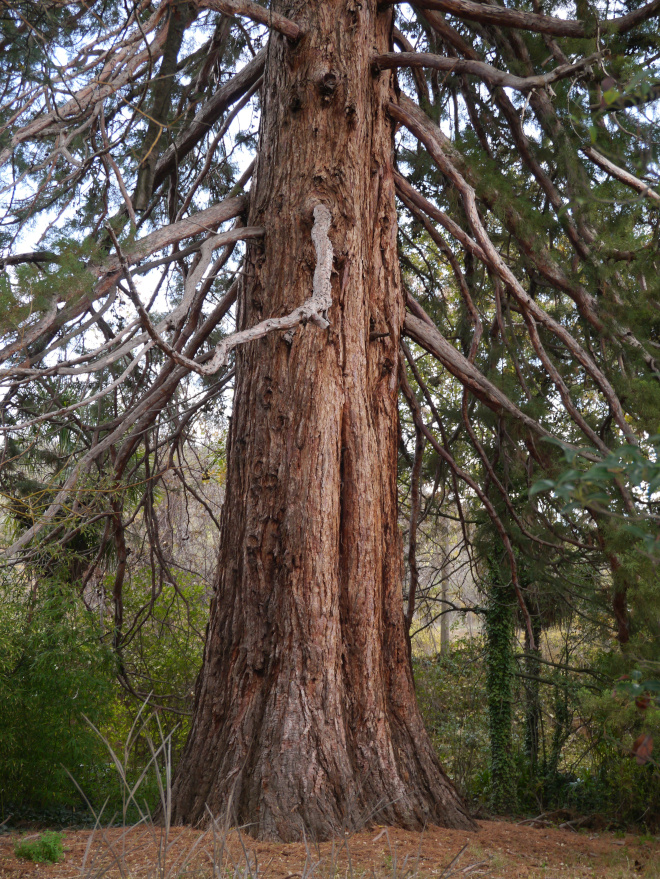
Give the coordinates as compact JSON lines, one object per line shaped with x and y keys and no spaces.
{"x":521,"y":148}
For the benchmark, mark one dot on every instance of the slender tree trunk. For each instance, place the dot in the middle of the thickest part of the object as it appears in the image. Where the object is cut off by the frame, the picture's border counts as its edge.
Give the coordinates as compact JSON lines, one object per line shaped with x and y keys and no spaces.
{"x":305,"y":713}
{"x":533,"y":698}
{"x":444,"y":619}
{"x":444,"y":622}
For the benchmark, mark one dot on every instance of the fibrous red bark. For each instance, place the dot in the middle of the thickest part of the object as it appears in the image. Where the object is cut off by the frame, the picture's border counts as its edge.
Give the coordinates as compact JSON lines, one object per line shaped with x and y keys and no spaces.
{"x":305,"y":711}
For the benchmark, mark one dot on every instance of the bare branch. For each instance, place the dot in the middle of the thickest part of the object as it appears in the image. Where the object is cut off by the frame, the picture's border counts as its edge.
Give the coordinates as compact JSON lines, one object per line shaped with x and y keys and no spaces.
{"x":314,"y":309}
{"x":531,"y":21}
{"x":484,"y":71}
{"x":257,"y":13}
{"x":620,"y":173}
{"x":110,"y":271}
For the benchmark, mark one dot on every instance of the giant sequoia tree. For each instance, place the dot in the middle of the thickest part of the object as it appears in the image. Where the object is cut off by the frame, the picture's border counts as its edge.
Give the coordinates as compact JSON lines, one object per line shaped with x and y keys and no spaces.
{"x":520,"y":147}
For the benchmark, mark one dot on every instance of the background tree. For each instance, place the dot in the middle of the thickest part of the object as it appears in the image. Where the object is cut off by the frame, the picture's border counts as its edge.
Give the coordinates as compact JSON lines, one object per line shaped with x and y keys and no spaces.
{"x":521,"y":146}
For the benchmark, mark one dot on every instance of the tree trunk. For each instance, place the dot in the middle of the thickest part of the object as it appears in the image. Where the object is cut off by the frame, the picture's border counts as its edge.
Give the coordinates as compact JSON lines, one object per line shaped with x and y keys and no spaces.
{"x":305,"y":713}
{"x":533,"y":697}
{"x":444,"y":619}
{"x":499,"y":667}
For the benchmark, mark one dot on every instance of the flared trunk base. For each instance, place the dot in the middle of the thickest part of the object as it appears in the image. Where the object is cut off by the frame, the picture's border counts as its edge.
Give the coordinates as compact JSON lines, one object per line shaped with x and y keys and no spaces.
{"x":305,"y":710}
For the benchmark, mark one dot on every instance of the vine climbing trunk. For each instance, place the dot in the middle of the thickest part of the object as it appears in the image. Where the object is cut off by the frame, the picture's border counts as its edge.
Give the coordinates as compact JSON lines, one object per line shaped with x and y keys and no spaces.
{"x":499,"y":667}
{"x":305,"y":715}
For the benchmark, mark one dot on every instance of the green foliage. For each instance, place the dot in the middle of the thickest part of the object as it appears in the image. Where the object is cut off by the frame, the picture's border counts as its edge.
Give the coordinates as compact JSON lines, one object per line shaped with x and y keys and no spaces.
{"x":499,"y":668}
{"x":54,"y":673}
{"x":58,"y":676}
{"x":596,"y":486}
{"x":451,"y":693}
{"x":644,"y":692}
{"x":163,"y":660}
{"x":47,"y":849}
{"x":592,"y":772}
{"x":613,"y":782}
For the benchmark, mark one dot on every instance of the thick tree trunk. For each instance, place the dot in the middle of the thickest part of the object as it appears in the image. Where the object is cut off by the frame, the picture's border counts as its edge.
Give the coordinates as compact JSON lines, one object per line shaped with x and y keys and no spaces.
{"x":305,"y":712}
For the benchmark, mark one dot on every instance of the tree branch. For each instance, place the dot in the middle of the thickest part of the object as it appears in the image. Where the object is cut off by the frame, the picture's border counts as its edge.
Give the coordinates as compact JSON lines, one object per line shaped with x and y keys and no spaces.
{"x":531,"y":21}
{"x":425,"y":131}
{"x":207,"y":115}
{"x":17,"y":259}
{"x":620,"y":173}
{"x":273,"y":20}
{"x":484,"y":71}
{"x":490,"y":509}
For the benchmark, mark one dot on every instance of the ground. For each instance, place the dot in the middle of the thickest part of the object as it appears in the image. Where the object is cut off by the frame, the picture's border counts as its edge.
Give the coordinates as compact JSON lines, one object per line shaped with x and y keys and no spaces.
{"x":500,"y":850}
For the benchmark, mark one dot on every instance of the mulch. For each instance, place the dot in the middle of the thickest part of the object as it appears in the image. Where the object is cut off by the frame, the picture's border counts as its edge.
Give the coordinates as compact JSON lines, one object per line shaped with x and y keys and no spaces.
{"x":500,"y":849}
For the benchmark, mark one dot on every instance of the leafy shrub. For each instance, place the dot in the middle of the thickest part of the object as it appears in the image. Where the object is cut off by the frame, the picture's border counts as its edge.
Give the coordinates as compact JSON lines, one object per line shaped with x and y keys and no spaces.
{"x":47,"y":849}
{"x":595,"y":772}
{"x":54,"y":673}
{"x":164,"y":658}
{"x":451,"y":692}
{"x":58,"y":673}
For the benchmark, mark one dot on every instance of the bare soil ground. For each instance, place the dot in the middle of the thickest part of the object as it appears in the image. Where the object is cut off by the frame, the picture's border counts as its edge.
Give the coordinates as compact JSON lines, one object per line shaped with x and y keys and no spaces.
{"x":500,"y":850}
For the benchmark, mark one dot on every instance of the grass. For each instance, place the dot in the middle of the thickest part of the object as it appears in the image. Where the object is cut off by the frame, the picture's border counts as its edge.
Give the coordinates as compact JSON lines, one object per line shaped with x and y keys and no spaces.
{"x":47,"y":849}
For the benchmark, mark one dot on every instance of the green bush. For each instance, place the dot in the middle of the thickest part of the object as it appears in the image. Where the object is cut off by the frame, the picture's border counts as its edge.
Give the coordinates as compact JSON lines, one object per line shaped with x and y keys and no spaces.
{"x":58,"y":673}
{"x":54,"y":673}
{"x":594,"y":773}
{"x":47,"y":849}
{"x":162,"y":659}
{"x":451,"y":692}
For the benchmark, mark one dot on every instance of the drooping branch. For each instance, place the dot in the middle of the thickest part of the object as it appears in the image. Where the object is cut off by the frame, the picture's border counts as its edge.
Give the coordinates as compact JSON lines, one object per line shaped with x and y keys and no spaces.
{"x":427,"y":336}
{"x":485,"y":72}
{"x":109,"y":271}
{"x":542,"y":260}
{"x":490,"y":509}
{"x":620,"y":173}
{"x":260,"y":14}
{"x":132,"y":424}
{"x":531,"y":21}
{"x":117,"y":72}
{"x":422,"y":128}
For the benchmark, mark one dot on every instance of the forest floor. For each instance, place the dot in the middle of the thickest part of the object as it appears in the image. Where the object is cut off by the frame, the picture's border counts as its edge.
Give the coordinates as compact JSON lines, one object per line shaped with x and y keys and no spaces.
{"x":500,"y":850}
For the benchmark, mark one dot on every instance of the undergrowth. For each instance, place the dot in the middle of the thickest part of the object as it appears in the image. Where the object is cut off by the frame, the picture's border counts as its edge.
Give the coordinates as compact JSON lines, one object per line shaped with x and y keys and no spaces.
{"x":47,"y":849}
{"x":585,"y":764}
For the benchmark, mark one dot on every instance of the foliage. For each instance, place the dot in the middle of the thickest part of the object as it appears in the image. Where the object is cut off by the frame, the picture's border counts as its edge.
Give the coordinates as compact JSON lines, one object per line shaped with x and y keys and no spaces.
{"x":595,"y":777}
{"x":162,"y":660}
{"x":47,"y":849}
{"x":54,"y":673}
{"x":596,"y":487}
{"x":499,"y":619}
{"x":451,"y":692}
{"x":58,"y":676}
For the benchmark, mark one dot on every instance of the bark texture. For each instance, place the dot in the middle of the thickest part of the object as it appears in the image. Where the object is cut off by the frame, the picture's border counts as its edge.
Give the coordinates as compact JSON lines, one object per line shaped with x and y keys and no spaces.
{"x":305,"y":709}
